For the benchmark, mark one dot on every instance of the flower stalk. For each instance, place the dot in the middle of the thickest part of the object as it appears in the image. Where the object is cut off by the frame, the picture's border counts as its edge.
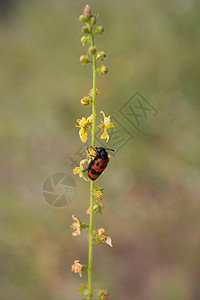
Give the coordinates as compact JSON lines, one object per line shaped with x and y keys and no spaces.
{"x":86,"y":125}
{"x":92,"y":182}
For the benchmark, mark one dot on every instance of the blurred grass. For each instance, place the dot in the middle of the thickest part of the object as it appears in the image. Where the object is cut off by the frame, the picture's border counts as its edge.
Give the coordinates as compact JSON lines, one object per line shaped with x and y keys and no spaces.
{"x":152,"y":208}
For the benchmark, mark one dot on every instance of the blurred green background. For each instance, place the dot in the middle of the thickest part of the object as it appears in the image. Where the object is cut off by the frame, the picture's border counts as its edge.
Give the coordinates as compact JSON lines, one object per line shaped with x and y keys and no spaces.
{"x":152,"y":194}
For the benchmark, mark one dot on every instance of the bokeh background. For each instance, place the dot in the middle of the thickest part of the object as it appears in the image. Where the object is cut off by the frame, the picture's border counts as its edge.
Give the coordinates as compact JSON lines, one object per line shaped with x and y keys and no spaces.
{"x":152,"y":193}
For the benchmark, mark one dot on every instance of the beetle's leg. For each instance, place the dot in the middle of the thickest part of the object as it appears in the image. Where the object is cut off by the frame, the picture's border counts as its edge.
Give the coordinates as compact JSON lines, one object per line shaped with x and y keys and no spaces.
{"x":90,"y":165}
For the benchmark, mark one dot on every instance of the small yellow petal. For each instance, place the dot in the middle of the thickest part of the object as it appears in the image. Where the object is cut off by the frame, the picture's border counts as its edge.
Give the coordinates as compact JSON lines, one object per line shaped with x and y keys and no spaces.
{"x":90,"y":119}
{"x":107,"y":121}
{"x":83,"y":137}
{"x":76,"y":170}
{"x":81,"y":131}
{"x":83,"y":121}
{"x":110,"y":125}
{"x":103,"y":114}
{"x":105,"y":135}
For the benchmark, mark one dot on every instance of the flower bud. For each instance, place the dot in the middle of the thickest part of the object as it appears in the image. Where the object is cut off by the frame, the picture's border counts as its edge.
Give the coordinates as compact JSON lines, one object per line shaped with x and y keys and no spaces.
{"x":82,"y":18}
{"x":85,"y":29}
{"x":99,"y":29}
{"x":93,"y":20}
{"x":84,"y":40}
{"x":101,"y":55}
{"x":83,"y":59}
{"x":103,"y":70}
{"x":92,"y":50}
{"x":87,"y":11}
{"x":91,"y":93}
{"x":85,"y":101}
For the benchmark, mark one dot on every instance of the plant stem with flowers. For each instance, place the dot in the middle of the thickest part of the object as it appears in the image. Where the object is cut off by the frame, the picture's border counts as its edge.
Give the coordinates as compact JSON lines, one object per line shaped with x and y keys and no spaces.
{"x":89,"y":125}
{"x":92,"y":182}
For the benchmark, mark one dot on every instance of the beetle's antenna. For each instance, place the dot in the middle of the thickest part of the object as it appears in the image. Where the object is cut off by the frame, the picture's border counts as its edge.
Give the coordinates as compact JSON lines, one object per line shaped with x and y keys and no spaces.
{"x":110,"y":149}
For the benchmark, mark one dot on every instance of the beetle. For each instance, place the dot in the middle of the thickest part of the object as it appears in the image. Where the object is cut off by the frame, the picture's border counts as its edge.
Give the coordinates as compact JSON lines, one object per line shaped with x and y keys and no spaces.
{"x":99,"y":163}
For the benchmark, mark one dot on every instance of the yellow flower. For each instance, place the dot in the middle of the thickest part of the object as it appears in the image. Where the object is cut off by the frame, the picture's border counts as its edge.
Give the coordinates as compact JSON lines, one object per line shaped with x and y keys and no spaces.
{"x":84,"y":124}
{"x":105,"y":125}
{"x":76,"y":226}
{"x":91,"y":152}
{"x":80,"y":170}
{"x":77,"y":267}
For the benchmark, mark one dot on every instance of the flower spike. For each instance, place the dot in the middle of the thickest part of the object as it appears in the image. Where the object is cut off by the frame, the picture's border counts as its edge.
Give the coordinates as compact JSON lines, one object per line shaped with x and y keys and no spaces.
{"x":96,"y":158}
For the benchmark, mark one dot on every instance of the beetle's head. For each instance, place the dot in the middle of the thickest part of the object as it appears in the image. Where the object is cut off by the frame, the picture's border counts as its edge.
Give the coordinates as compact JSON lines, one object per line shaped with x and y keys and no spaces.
{"x":102,"y":152}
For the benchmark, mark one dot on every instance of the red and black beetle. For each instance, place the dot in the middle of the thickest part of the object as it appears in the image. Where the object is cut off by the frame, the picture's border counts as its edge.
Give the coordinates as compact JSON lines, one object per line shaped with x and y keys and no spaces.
{"x":99,"y":163}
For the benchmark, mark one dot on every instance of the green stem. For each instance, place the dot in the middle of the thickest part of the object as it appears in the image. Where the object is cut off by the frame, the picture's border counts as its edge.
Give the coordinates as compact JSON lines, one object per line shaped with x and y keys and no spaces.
{"x":92,"y":182}
{"x":90,"y":242}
